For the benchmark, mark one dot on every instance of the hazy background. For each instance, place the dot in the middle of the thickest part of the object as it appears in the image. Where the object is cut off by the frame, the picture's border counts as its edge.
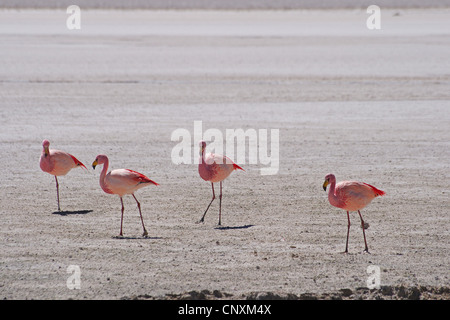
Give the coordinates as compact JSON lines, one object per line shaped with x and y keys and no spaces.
{"x":368,"y":105}
{"x":228,"y":4}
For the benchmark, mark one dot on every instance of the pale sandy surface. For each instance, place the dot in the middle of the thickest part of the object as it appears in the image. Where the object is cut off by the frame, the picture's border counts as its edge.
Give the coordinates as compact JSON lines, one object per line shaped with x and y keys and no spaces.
{"x":365,"y":105}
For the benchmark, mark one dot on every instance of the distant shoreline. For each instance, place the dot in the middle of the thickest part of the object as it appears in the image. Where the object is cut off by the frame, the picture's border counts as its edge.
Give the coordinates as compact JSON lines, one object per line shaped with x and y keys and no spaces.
{"x":224,"y":5}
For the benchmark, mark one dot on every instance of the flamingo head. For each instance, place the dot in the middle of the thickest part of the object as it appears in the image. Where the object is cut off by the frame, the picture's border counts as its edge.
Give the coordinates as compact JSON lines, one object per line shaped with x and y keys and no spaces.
{"x":46,"y":145}
{"x":329,"y":178}
{"x":100,"y":159}
{"x":202,"y":145}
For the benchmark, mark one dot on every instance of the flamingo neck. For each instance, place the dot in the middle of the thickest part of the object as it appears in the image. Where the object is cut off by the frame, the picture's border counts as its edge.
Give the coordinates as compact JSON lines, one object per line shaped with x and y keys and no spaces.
{"x":103,"y":174}
{"x":332,"y":197}
{"x":204,"y":169}
{"x":203,"y":160}
{"x":203,"y":157}
{"x":45,"y":162}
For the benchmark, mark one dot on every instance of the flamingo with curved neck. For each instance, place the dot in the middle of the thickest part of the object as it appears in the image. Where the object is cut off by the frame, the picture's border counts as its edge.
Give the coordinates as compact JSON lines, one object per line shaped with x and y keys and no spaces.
{"x":57,"y":163}
{"x":214,"y":168}
{"x":351,"y":196}
{"x":122,"y":182}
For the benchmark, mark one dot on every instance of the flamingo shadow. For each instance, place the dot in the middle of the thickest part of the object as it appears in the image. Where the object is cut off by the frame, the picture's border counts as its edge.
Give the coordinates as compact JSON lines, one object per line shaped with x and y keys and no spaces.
{"x":69,"y":212}
{"x":235,"y":228}
{"x":135,"y":238}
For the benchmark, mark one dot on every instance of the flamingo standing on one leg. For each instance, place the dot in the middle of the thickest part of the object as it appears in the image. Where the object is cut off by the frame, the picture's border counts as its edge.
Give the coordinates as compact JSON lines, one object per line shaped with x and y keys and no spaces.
{"x":351,"y":196}
{"x":57,"y":163}
{"x":215,"y":168}
{"x":122,"y":182}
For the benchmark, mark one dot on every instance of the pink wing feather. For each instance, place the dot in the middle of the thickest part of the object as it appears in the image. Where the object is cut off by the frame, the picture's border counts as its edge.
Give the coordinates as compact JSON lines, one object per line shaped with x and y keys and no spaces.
{"x":78,"y":162}
{"x":377,"y":192}
{"x":139,"y":177}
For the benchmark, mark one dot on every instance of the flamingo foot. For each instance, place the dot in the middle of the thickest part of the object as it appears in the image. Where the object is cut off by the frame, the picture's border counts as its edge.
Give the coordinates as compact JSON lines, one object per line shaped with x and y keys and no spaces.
{"x":145,"y":234}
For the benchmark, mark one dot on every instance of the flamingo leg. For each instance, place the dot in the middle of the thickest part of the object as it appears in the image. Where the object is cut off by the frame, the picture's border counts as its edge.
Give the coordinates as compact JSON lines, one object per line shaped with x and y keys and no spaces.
{"x":121,"y":219}
{"x":57,"y":192}
{"x":348,"y":232}
{"x":364,"y":233}
{"x":213,"y":197}
{"x":220,"y":203}
{"x":145,"y":234}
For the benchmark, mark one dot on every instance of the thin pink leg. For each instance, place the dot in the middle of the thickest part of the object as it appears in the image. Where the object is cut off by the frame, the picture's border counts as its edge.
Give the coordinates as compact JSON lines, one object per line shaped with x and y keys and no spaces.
{"x":57,"y":192}
{"x":364,"y":233}
{"x":140,"y":213}
{"x":213,"y":197}
{"x":121,"y":219}
{"x":220,"y":203}
{"x":348,"y":232}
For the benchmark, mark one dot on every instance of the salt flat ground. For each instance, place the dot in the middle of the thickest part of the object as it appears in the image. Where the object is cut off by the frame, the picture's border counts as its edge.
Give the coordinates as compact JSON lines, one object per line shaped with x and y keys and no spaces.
{"x":370,"y":105}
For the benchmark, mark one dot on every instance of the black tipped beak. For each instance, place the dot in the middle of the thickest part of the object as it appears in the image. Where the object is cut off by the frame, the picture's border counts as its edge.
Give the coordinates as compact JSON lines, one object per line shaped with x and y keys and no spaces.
{"x":324,"y":188}
{"x":93,"y":167}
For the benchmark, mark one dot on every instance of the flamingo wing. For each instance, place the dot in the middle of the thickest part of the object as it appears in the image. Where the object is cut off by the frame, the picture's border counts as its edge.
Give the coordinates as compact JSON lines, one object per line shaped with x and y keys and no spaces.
{"x":125,"y":181}
{"x":377,"y":192}
{"x":61,"y":162}
{"x":354,"y":195}
{"x":140,"y":178}
{"x":221,"y":160}
{"x":77,"y":162}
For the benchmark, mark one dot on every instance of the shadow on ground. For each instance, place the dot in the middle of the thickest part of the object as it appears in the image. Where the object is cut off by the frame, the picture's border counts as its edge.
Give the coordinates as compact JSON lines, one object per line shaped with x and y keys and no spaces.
{"x":66,"y":213}
{"x":235,"y":228}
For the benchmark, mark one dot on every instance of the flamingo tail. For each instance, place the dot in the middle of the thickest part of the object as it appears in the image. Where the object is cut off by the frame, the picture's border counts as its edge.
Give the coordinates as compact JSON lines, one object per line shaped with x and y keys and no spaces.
{"x":78,"y":162}
{"x":378,"y":192}
{"x":235,"y":166}
{"x":142,"y":178}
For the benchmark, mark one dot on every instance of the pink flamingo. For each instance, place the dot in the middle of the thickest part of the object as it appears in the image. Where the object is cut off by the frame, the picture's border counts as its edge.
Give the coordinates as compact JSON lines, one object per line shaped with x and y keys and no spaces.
{"x":351,"y":196}
{"x":122,"y":182}
{"x":57,"y":163}
{"x":215,"y":168}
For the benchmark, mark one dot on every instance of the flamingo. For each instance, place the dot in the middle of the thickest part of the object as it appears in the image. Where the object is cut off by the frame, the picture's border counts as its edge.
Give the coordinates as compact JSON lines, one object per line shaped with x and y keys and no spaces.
{"x":57,"y":163}
{"x":215,"y":168}
{"x":351,"y":196}
{"x":122,"y":182}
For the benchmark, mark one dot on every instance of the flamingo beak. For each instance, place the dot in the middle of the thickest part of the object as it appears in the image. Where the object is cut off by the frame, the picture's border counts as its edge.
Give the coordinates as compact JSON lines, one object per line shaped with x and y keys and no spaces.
{"x":325,"y":184}
{"x":94,"y":164}
{"x":46,"y":151}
